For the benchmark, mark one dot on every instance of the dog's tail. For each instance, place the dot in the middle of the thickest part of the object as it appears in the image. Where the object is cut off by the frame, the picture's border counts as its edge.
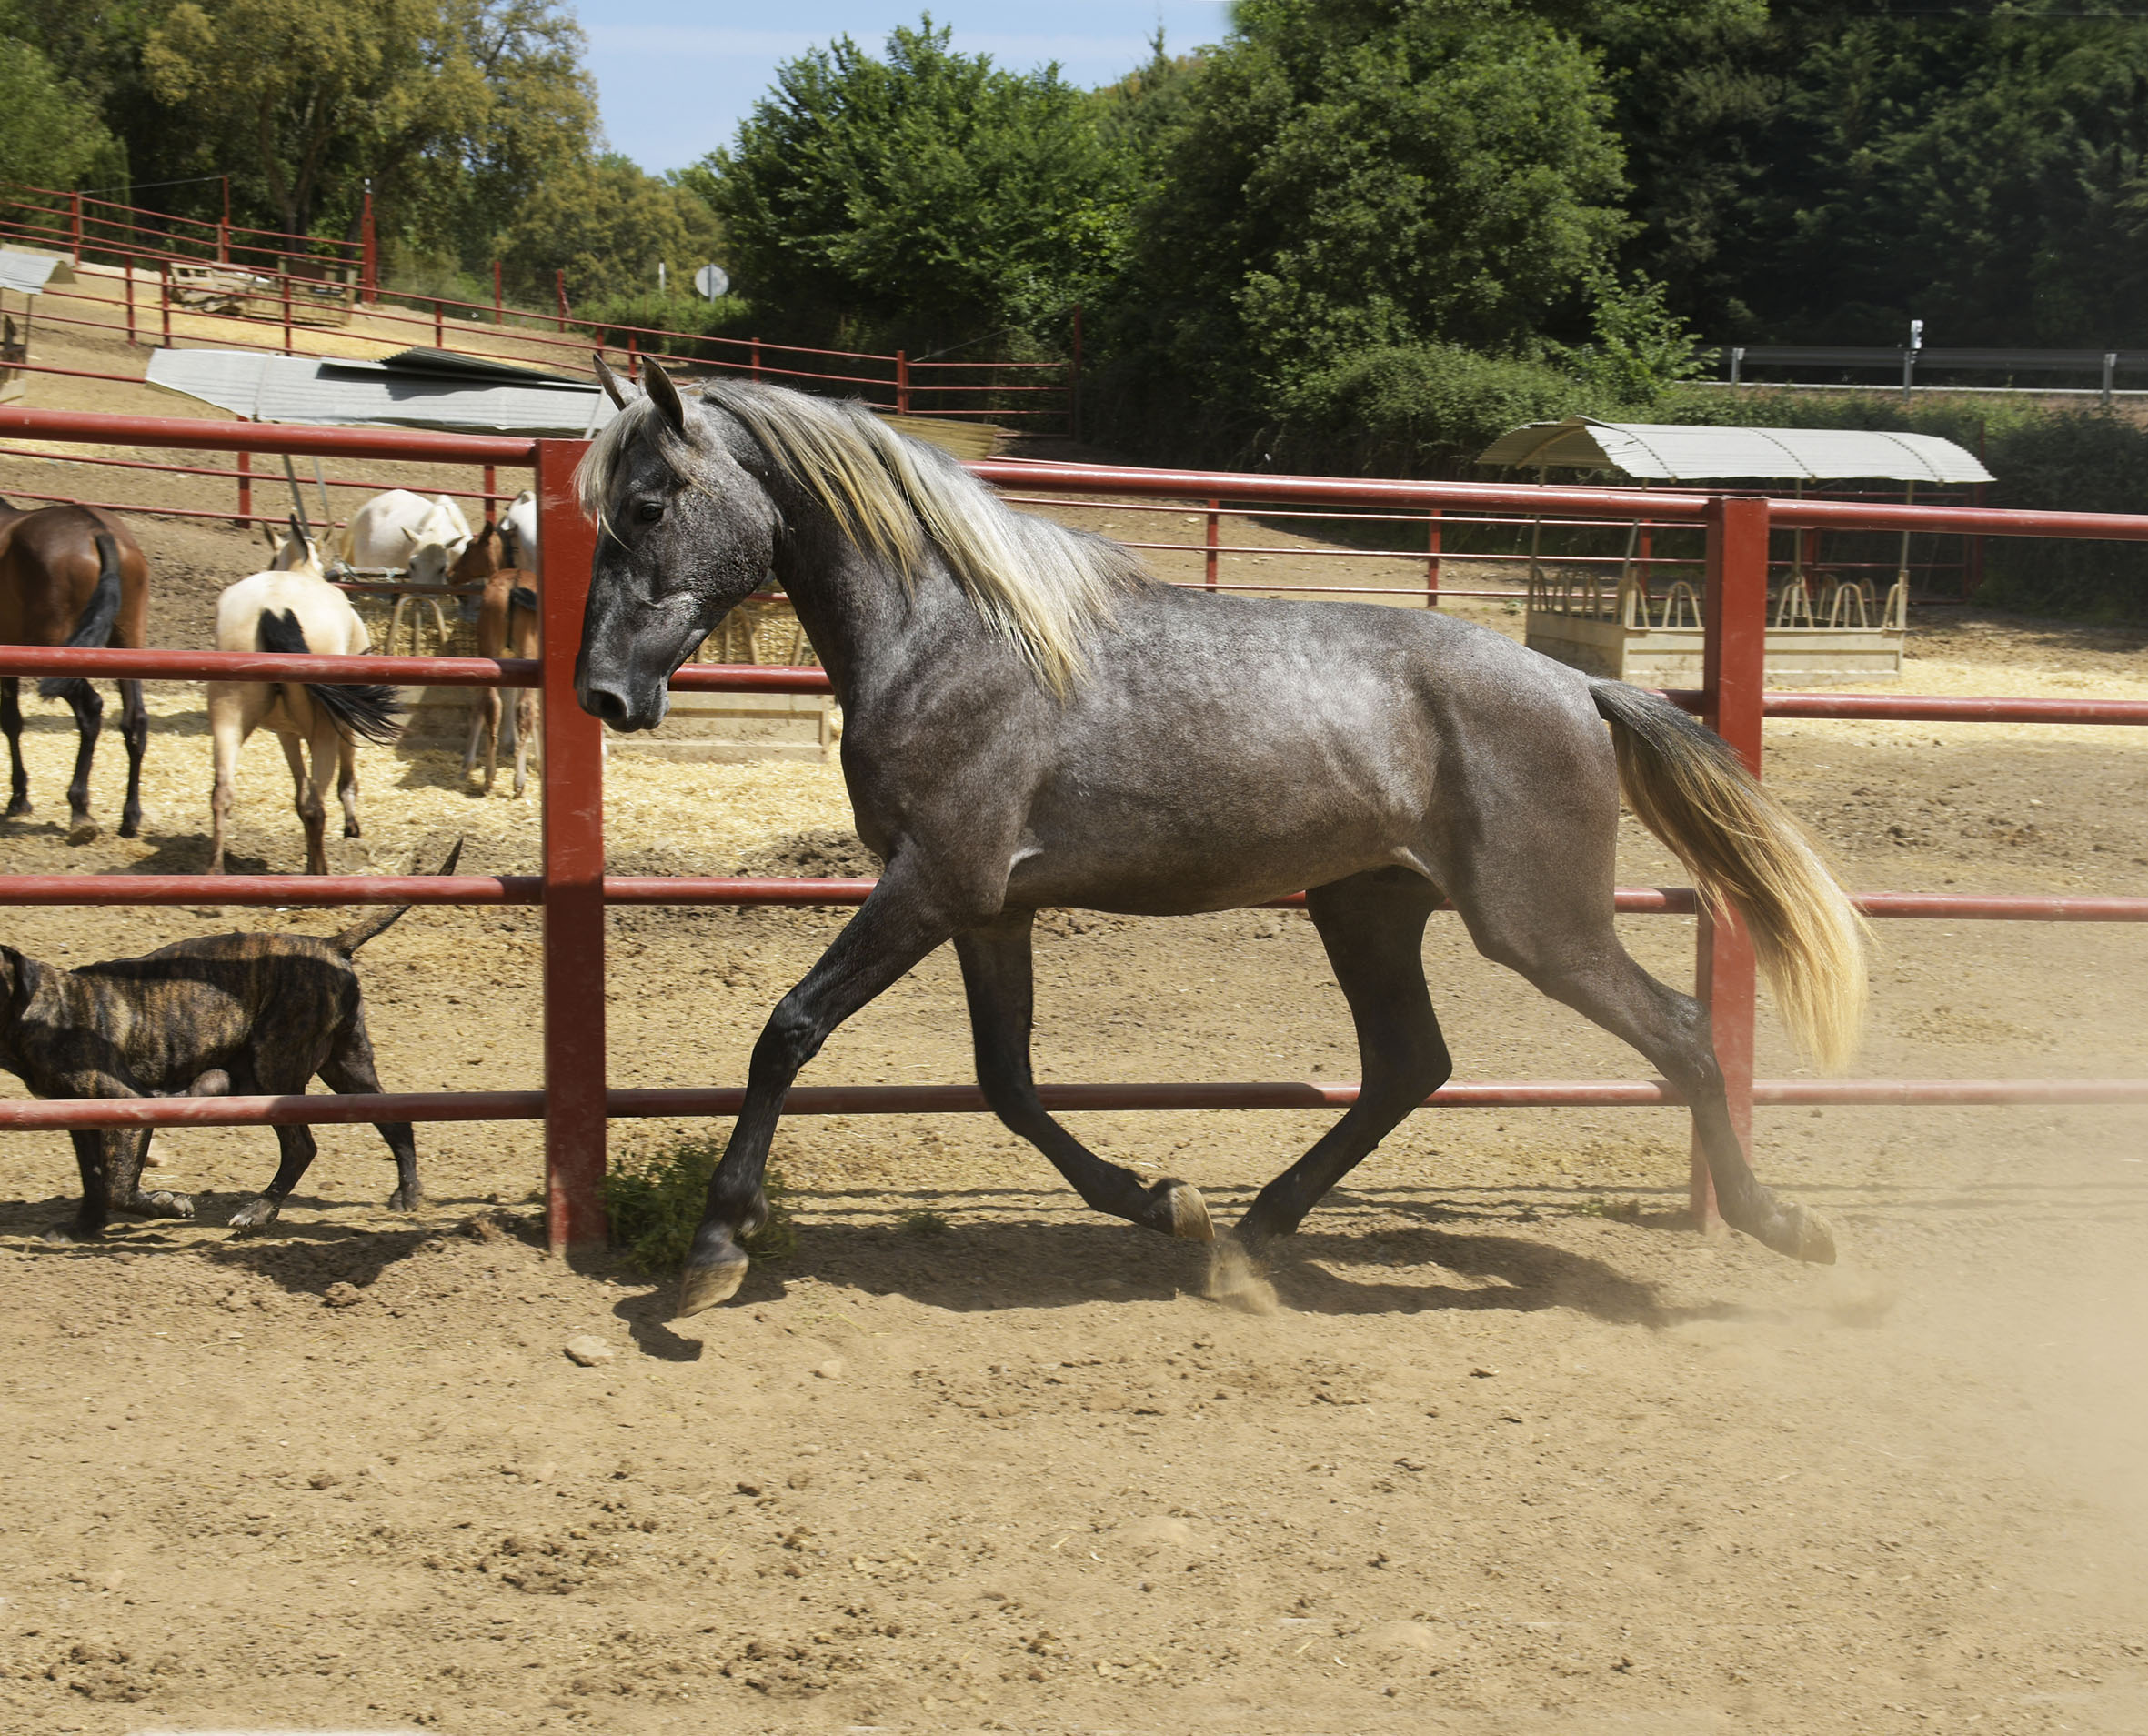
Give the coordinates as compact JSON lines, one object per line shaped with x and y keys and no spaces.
{"x":94,"y":626}
{"x":380,"y":921}
{"x":1684,"y":784}
{"x":358,"y":710}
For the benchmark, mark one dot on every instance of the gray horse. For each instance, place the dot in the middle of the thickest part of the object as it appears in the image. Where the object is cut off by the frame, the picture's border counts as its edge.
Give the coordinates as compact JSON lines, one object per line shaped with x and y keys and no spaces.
{"x":1032,"y":720}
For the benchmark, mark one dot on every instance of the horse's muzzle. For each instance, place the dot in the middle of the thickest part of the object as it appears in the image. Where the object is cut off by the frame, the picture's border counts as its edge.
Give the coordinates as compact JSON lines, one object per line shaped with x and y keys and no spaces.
{"x":612,"y":701}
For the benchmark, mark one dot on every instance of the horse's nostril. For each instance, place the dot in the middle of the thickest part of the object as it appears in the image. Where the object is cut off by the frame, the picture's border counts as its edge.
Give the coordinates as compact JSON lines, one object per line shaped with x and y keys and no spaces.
{"x":609,"y":705}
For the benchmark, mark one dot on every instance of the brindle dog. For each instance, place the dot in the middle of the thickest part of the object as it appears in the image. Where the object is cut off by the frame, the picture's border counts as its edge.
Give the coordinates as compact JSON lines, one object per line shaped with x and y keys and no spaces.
{"x":230,"y":1013}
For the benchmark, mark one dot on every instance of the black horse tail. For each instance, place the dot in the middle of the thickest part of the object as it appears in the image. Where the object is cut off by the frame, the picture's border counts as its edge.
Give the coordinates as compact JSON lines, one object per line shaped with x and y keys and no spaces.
{"x":94,"y":626}
{"x":1684,"y":783}
{"x":380,"y":921}
{"x":358,"y":710}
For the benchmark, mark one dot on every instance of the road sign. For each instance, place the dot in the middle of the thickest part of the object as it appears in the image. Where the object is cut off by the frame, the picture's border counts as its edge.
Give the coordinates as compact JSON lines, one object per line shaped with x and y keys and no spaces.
{"x":712,"y":281}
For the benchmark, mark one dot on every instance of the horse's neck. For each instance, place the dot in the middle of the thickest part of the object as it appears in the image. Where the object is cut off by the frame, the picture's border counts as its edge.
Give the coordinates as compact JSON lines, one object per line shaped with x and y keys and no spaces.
{"x":864,"y":622}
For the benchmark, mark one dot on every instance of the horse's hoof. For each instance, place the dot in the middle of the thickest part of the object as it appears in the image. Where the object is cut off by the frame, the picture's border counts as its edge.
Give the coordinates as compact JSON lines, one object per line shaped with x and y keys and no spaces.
{"x":63,"y":1236}
{"x":131,"y":827}
{"x":1792,"y":1229}
{"x":1236,"y":1282}
{"x":350,"y":828}
{"x":709,"y":1281}
{"x":84,"y":831}
{"x":407,"y":1199}
{"x":1177,"y":1209}
{"x":161,"y":1204}
{"x":254,"y":1214}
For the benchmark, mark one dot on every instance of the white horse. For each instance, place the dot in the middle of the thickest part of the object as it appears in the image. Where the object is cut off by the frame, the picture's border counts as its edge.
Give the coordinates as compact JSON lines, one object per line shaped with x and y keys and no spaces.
{"x":295,"y":611}
{"x":404,"y":530}
{"x":518,"y":525}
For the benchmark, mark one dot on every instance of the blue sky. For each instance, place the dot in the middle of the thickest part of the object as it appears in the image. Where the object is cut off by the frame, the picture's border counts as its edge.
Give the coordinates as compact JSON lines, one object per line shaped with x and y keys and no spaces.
{"x":675,"y":77}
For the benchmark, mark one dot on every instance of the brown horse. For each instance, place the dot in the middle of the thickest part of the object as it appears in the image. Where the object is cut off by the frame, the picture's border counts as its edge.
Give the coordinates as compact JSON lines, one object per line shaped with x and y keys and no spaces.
{"x":74,"y":575}
{"x":507,"y":627}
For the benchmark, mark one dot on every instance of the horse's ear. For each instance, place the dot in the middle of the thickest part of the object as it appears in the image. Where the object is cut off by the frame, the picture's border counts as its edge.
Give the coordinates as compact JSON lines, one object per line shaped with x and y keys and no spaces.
{"x":657,"y":384}
{"x":615,"y":388}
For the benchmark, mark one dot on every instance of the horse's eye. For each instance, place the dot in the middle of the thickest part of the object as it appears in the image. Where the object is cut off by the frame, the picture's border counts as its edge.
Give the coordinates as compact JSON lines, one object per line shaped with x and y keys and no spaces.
{"x":649,"y":512}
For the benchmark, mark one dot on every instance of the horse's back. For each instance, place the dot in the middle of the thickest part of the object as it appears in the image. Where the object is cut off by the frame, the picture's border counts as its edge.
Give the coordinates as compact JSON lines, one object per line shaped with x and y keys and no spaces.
{"x":49,"y":568}
{"x":330,"y":626}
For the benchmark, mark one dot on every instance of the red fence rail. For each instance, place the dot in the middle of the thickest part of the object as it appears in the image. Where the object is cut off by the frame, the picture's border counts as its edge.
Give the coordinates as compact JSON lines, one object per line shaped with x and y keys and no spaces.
{"x":573,"y":889}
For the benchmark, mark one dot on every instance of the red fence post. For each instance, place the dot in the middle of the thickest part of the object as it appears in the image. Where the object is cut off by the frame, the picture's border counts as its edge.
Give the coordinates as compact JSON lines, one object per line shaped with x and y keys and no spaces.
{"x":902,"y":381}
{"x":244,"y":520}
{"x":440,"y":328}
{"x":76,"y":200}
{"x":1733,"y":678}
{"x":1074,"y":382}
{"x":492,"y":492}
{"x":284,"y":277}
{"x":1432,"y":565}
{"x":368,"y":254}
{"x":573,"y":746}
{"x":130,"y":300}
{"x":163,"y":293}
{"x":757,"y":358}
{"x":1209,"y":577}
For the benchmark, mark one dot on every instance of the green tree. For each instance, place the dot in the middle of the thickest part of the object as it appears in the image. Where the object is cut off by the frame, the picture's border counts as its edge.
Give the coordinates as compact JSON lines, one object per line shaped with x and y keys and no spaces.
{"x":49,"y":131}
{"x":929,"y":195}
{"x":1353,"y":176}
{"x":442,"y":104}
{"x":605,"y":224}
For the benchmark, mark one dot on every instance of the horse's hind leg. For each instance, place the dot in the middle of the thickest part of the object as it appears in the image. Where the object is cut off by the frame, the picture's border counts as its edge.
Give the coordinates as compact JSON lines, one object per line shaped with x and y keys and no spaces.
{"x":306,"y":797}
{"x":1566,"y":945}
{"x":88,"y":707}
{"x":11,"y":722}
{"x":346,"y":780}
{"x":1372,"y":926}
{"x":134,"y":729}
{"x":997,"y":973}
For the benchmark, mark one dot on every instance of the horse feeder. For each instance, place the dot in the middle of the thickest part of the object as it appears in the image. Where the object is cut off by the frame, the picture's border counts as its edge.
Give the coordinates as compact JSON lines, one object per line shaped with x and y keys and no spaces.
{"x":1821,"y":624}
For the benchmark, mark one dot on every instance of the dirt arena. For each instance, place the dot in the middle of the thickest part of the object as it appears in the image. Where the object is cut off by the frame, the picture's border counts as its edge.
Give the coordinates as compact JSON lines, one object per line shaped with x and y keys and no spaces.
{"x":1518,"y":1453}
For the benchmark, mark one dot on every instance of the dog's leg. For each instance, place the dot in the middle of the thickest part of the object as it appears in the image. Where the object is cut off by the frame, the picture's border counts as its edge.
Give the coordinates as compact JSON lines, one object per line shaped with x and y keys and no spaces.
{"x":350,"y":1069}
{"x":110,"y":1160}
{"x":129,"y":1150}
{"x":11,"y":721}
{"x":313,"y":811}
{"x":298,"y":1148}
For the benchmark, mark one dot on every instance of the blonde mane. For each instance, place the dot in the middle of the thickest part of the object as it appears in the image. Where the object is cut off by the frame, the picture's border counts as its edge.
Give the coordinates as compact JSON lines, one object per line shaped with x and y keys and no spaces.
{"x":1044,"y":588}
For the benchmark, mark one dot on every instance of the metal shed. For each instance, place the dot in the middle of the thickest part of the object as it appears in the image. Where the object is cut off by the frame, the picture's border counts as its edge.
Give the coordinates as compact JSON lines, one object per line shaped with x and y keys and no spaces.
{"x":1616,"y":624}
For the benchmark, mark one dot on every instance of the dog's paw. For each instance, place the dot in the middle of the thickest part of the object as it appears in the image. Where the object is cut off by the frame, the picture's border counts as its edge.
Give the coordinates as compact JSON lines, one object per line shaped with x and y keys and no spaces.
{"x":254,"y":1214}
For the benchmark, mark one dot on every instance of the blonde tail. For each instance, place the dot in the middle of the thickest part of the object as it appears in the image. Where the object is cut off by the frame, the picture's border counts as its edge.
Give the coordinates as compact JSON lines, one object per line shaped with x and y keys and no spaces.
{"x":1745,"y":850}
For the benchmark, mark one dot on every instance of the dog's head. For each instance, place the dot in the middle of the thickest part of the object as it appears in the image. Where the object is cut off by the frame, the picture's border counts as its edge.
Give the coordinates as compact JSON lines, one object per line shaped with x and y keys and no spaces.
{"x":18,"y":981}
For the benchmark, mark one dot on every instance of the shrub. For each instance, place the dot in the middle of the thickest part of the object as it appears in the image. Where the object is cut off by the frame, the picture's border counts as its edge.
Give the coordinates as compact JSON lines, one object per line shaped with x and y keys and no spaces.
{"x":653,"y":1200}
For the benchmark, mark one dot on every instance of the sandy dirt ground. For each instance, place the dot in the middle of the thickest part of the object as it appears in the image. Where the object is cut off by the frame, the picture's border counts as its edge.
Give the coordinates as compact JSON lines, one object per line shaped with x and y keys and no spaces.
{"x":1518,"y":1453}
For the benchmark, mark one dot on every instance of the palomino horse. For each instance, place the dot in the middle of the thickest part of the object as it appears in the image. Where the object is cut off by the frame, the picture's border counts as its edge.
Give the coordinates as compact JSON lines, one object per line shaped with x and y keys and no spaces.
{"x":74,"y":575}
{"x":295,"y":611}
{"x":1031,"y":720}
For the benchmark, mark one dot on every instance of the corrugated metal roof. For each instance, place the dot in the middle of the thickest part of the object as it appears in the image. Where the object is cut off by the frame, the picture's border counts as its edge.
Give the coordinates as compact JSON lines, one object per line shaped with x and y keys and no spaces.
{"x":1675,"y":453}
{"x":26,"y":273}
{"x":332,"y":392}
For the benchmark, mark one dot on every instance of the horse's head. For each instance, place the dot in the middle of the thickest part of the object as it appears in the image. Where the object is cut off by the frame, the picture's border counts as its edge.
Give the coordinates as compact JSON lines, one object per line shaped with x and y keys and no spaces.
{"x":684,"y":533}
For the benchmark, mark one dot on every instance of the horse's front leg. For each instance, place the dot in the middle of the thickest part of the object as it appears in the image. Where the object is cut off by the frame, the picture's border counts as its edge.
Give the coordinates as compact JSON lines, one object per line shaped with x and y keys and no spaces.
{"x":902,"y":921}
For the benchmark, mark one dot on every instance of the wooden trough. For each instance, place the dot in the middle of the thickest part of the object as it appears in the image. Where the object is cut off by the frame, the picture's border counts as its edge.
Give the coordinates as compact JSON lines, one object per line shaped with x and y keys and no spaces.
{"x":1822,"y":625}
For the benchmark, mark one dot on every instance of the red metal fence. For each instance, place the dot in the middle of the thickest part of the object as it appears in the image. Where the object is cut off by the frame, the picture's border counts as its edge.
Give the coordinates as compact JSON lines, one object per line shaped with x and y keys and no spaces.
{"x":145,"y":245}
{"x":573,"y":889}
